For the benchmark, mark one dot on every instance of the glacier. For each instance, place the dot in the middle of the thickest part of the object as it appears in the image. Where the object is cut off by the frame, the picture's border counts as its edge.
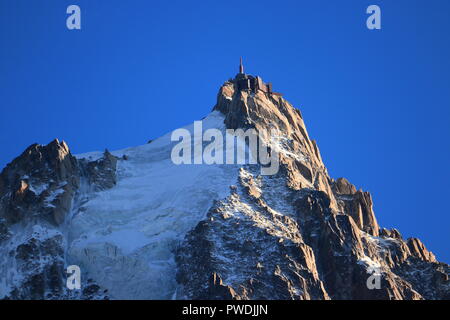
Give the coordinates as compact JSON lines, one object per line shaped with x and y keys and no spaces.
{"x":125,"y":236}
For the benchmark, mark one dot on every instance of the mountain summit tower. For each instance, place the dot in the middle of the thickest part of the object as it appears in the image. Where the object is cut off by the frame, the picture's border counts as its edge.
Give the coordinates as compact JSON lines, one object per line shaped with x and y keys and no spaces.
{"x":241,"y":67}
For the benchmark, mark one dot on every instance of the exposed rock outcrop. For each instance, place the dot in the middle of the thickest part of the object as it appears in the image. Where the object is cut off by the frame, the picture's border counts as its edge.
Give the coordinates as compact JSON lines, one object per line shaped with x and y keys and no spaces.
{"x":317,"y":238}
{"x":257,"y":253}
{"x":101,"y":173}
{"x":357,"y":204}
{"x":37,"y":190}
{"x":39,"y":183}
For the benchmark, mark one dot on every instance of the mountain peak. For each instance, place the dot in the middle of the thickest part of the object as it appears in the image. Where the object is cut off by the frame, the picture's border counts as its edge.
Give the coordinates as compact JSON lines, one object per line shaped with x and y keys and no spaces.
{"x":142,"y":227}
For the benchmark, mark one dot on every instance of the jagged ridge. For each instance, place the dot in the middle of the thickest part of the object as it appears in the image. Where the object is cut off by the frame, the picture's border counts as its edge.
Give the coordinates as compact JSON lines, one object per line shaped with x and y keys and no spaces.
{"x":234,"y":235}
{"x":315,"y":240}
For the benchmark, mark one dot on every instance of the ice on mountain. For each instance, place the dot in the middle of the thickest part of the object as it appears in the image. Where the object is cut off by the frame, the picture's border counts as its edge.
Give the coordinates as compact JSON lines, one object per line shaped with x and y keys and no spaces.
{"x":126,"y":235}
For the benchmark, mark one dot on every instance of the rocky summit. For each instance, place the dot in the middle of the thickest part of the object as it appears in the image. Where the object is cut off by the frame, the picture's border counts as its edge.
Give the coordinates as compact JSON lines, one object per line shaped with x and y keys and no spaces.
{"x":141,"y":227}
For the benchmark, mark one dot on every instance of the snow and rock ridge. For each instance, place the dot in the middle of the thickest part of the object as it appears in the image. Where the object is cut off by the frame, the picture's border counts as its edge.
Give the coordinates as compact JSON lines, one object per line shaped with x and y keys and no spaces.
{"x":299,"y":234}
{"x":141,"y":227}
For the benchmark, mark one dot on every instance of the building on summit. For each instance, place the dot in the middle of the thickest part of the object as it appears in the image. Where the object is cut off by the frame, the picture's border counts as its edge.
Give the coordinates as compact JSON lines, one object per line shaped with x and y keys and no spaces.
{"x":250,"y":83}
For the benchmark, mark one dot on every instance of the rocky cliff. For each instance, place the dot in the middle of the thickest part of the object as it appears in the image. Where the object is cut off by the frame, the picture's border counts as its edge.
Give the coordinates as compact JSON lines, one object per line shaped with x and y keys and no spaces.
{"x":300,"y":234}
{"x":141,"y":227}
{"x":37,"y":191}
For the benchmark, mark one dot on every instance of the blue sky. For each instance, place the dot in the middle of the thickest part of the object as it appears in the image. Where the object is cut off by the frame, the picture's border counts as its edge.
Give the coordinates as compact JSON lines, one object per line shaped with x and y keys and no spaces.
{"x":377,"y":102}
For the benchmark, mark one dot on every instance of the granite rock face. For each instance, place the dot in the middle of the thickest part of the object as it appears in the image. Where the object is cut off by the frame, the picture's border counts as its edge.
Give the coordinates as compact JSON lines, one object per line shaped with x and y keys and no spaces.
{"x":42,"y":177}
{"x":299,"y":234}
{"x":101,"y":173}
{"x":37,"y":190}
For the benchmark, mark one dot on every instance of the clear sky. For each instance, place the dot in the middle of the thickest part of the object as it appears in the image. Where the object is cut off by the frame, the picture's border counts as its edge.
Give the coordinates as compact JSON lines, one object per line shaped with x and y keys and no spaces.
{"x":377,"y":102}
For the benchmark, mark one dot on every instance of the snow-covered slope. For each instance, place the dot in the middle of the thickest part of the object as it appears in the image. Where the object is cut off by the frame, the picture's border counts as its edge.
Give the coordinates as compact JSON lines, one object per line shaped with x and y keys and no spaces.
{"x":125,"y":236}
